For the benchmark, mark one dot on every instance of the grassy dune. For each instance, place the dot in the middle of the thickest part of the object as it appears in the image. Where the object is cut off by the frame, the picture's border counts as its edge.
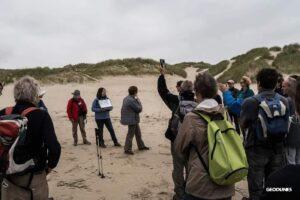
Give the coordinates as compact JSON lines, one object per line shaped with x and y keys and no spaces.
{"x":286,"y":60}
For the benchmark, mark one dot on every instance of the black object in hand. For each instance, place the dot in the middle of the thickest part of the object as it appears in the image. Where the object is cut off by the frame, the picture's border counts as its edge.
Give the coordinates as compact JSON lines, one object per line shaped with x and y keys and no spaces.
{"x":162,"y":63}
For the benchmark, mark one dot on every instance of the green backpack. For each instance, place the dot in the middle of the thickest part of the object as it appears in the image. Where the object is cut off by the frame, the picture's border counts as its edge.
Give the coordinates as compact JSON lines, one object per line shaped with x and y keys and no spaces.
{"x":226,"y":155}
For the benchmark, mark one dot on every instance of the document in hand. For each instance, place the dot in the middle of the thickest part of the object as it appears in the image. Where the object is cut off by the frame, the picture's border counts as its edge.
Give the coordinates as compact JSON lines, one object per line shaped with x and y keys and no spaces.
{"x":105,"y":103}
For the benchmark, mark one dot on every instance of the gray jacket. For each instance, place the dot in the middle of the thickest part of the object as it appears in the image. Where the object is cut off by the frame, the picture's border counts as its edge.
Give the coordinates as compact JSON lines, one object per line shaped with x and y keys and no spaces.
{"x":130,"y":110}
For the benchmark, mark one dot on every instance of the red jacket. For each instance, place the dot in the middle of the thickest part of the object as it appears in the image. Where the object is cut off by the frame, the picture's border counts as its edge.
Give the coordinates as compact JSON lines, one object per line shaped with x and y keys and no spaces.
{"x":74,"y":107}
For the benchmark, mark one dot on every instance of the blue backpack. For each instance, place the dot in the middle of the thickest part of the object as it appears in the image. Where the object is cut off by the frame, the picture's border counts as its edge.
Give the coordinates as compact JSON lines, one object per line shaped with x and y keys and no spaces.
{"x":273,"y":118}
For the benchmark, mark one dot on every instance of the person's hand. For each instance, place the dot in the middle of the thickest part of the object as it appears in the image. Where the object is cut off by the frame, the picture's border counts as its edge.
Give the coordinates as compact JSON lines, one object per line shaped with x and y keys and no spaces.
{"x":223,"y":87}
{"x":162,"y":70}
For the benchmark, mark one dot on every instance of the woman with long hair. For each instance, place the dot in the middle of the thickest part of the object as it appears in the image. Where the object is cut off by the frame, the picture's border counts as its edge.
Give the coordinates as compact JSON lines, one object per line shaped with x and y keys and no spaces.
{"x":102,"y":106}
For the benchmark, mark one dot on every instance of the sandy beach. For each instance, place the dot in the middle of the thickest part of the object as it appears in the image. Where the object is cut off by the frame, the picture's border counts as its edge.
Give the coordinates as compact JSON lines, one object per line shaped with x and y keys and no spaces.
{"x":146,"y":175}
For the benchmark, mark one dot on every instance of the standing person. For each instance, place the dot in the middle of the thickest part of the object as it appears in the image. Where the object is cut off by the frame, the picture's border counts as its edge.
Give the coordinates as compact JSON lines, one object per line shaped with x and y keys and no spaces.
{"x":41,"y":103}
{"x":172,"y":102}
{"x":130,"y":116}
{"x":234,"y":92}
{"x":293,"y":138}
{"x":278,"y":88}
{"x":1,"y":88}
{"x":245,"y":91}
{"x":41,"y":146}
{"x":102,"y":117}
{"x":264,"y":146}
{"x":289,"y":176}
{"x":193,"y":131}
{"x":77,"y":112}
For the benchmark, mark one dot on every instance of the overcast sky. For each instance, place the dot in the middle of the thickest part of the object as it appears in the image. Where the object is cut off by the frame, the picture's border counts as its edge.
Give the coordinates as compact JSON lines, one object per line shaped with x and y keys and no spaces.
{"x":60,"y":32}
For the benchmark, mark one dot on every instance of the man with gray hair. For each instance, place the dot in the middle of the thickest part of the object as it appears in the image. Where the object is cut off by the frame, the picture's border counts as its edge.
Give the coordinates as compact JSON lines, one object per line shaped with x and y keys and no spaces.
{"x":40,"y":144}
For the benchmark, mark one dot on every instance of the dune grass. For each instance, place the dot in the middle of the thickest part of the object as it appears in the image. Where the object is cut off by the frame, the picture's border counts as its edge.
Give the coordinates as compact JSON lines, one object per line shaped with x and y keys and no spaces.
{"x":218,"y":68}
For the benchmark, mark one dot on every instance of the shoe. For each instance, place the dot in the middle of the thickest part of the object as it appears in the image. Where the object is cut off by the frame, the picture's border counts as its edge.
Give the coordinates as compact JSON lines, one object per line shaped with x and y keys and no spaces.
{"x":75,"y":144}
{"x":144,"y":149}
{"x":102,"y":145}
{"x":117,"y":144}
{"x":86,"y":142}
{"x":129,"y":152}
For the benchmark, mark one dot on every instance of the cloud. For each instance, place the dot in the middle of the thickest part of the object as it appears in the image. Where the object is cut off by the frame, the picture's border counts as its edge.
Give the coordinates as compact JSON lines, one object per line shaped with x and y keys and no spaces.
{"x":55,"y":33}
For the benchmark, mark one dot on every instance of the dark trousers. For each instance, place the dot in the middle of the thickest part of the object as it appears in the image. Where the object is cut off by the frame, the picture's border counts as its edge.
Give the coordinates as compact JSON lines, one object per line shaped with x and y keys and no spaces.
{"x":262,"y":162}
{"x":109,"y":126}
{"x":133,"y":130}
{"x":190,"y":197}
{"x":235,"y":119}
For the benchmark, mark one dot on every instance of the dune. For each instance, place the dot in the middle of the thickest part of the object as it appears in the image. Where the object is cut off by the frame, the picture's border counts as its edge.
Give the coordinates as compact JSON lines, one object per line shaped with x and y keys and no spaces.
{"x":146,"y":175}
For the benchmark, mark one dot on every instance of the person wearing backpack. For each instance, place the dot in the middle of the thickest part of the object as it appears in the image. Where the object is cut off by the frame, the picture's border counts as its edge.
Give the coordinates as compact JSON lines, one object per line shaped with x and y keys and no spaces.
{"x":191,"y":144}
{"x":289,"y":176}
{"x":34,"y":148}
{"x":77,"y":111}
{"x":172,"y":102}
{"x":264,"y":118}
{"x":102,"y":117}
{"x":292,"y":142}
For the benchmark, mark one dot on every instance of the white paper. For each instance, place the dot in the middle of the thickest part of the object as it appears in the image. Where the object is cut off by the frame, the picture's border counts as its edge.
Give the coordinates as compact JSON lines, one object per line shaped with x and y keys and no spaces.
{"x":105,"y":103}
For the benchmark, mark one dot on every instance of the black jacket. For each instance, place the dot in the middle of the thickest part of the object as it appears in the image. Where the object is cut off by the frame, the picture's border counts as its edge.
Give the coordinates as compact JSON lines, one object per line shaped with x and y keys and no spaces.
{"x":171,"y":100}
{"x":42,"y":142}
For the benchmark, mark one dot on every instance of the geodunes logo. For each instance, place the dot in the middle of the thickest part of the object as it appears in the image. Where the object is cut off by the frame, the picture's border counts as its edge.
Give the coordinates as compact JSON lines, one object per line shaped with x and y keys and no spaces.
{"x":279,"y":189}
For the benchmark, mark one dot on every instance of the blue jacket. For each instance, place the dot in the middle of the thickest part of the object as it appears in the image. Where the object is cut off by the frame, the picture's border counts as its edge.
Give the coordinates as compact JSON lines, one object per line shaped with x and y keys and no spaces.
{"x":100,"y":113}
{"x":234,"y":105}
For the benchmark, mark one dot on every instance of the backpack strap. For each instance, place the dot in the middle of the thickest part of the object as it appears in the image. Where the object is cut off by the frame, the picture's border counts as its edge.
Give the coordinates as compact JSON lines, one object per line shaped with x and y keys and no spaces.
{"x":203,"y":116}
{"x":201,"y":158}
{"x":9,"y":110}
{"x":28,"y":110}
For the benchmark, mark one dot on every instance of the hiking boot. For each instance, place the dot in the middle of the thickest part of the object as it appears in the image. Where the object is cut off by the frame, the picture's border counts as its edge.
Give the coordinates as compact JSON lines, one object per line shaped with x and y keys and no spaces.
{"x":86,"y":142}
{"x":144,"y":149}
{"x":75,"y":144}
{"x":117,"y":144}
{"x":129,"y":152}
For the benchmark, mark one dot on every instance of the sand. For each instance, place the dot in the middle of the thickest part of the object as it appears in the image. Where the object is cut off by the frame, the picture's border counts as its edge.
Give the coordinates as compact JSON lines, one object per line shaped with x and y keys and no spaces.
{"x":145,"y":176}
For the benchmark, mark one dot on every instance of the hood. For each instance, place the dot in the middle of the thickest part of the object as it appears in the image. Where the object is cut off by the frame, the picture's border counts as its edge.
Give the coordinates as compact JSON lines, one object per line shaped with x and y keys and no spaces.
{"x":210,"y":107}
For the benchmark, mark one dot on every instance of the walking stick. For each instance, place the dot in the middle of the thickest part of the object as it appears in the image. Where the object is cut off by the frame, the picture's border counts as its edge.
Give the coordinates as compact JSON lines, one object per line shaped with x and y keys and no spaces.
{"x":99,"y":155}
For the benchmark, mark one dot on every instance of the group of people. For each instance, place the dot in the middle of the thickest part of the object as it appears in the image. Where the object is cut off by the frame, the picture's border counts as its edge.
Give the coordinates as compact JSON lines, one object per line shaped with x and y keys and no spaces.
{"x":273,"y":162}
{"x":131,"y":108}
{"x":273,"y":159}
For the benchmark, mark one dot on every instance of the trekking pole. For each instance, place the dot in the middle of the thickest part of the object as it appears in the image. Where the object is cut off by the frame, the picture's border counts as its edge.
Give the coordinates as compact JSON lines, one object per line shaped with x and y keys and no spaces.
{"x":99,"y":155}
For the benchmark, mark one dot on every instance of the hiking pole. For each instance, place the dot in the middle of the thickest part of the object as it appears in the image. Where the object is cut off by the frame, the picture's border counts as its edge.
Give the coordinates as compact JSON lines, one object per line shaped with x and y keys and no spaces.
{"x":99,"y":155}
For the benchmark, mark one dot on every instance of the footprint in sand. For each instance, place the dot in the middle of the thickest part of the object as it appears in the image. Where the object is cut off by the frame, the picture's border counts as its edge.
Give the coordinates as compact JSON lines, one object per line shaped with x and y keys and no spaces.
{"x":77,"y":183}
{"x":143,"y":194}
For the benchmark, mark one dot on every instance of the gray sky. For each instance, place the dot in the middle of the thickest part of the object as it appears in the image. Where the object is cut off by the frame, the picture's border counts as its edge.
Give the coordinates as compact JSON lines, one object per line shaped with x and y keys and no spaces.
{"x":60,"y":32}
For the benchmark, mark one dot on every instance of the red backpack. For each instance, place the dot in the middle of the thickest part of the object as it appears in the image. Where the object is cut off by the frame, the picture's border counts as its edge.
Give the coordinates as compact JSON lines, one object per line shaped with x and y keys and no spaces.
{"x":13,"y":129}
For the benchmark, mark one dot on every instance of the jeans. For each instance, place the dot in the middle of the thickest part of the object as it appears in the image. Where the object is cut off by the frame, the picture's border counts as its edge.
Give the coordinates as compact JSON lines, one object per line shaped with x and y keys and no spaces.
{"x":262,"y":162}
{"x":133,"y":130}
{"x":190,"y":197}
{"x":178,"y":174}
{"x":292,"y":155}
{"x":107,"y":122}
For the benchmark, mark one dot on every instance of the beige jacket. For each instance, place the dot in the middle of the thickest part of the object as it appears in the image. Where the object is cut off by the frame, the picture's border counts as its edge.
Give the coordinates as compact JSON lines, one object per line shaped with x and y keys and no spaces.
{"x":194,"y":131}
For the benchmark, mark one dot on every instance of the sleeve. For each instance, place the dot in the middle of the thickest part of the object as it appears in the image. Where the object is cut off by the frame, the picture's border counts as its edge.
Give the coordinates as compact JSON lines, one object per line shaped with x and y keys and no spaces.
{"x":69,"y":109}
{"x":135,"y":105}
{"x":248,"y":113}
{"x":51,"y":142}
{"x":95,"y":108}
{"x":169,"y":98}
{"x":184,"y":137}
{"x":233,"y":104}
{"x":84,"y":107}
